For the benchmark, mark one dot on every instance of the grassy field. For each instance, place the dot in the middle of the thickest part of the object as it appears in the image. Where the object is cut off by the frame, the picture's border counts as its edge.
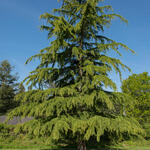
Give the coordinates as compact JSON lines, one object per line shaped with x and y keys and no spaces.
{"x":46,"y":148}
{"x":27,"y":146}
{"x":13,"y":144}
{"x":138,"y":148}
{"x":23,"y":143}
{"x":134,"y":145}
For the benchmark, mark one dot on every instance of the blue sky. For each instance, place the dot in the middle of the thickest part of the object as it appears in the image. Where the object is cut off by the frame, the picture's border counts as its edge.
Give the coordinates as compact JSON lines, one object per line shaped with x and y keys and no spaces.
{"x":20,"y":35}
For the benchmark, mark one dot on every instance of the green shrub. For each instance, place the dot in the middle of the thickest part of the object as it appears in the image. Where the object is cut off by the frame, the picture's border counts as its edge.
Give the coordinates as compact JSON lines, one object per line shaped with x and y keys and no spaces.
{"x":5,"y":130}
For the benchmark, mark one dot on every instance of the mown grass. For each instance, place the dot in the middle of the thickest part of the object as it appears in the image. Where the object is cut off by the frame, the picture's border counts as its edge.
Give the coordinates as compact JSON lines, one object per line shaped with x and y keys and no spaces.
{"x":139,"y":144}
{"x":25,"y":143}
{"x":17,"y":145}
{"x":13,"y":147}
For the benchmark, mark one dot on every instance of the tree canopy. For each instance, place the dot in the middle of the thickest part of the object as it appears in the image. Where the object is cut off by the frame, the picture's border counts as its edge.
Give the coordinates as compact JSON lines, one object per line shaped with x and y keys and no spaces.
{"x":75,"y":108}
{"x":8,"y":86}
{"x":138,"y":86}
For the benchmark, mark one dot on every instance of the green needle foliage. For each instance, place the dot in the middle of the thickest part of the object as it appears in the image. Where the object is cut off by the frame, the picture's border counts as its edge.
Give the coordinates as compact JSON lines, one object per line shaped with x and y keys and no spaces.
{"x":70,"y":104}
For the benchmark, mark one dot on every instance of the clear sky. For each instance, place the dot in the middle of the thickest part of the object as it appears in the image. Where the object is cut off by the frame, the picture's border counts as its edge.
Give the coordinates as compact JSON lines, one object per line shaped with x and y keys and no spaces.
{"x":20,"y":35}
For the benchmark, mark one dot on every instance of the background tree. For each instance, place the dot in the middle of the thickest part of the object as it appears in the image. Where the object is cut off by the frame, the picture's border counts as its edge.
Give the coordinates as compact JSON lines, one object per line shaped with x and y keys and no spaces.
{"x":138,"y":86}
{"x":8,"y":86}
{"x":76,"y":108}
{"x":21,"y":88}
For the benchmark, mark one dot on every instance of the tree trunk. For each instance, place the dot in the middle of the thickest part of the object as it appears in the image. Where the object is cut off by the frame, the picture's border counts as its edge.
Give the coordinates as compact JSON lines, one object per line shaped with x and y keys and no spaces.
{"x":81,"y":145}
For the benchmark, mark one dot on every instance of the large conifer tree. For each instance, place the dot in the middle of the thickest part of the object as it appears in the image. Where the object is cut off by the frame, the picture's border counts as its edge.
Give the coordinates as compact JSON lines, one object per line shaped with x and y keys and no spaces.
{"x":75,"y":107}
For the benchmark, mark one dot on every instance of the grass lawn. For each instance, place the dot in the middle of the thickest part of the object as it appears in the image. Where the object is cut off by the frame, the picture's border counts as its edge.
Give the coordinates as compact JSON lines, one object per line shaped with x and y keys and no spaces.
{"x":37,"y":148}
{"x":39,"y":144}
{"x":135,"y":145}
{"x":15,"y":146}
{"x":136,"y":148}
{"x":18,"y":144}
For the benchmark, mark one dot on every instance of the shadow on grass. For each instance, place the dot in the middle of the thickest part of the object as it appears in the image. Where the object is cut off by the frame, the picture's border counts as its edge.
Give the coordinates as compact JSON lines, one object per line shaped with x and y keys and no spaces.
{"x":100,"y":148}
{"x":87,"y":149}
{"x":68,"y":148}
